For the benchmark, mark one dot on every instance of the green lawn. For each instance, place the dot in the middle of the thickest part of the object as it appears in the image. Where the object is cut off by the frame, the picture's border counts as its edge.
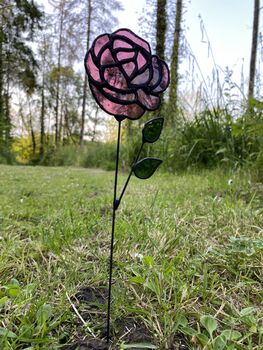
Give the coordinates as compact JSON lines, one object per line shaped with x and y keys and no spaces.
{"x":188,"y":257}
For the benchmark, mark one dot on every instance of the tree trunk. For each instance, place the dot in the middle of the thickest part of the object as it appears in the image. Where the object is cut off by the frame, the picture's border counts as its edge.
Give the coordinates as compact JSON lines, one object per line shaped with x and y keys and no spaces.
{"x":34,"y":145}
{"x":42,"y":123}
{"x":1,"y":89}
{"x":82,"y":128}
{"x":175,"y":62}
{"x":7,"y":119}
{"x":253,"y":57}
{"x":61,"y":122}
{"x":161,"y":25}
{"x":58,"y":77}
{"x":66,"y":133}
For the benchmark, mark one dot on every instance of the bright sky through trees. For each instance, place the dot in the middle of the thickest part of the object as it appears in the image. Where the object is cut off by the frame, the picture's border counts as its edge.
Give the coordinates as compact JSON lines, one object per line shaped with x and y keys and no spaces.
{"x":228,"y":24}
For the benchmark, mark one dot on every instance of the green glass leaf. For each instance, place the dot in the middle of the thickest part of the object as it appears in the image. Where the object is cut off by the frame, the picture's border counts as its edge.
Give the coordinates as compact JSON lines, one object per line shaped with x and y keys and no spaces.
{"x":146,"y":167}
{"x":152,"y":130}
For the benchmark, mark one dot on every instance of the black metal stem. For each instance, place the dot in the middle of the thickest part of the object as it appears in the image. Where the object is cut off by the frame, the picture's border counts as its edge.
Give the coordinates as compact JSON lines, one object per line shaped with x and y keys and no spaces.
{"x":130,"y":174}
{"x":114,"y":208}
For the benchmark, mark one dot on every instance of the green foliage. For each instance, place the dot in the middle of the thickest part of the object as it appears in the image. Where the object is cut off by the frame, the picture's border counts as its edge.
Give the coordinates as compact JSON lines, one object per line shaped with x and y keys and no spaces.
{"x":92,"y":155}
{"x":6,"y":154}
{"x":211,"y":139}
{"x":209,"y":323}
{"x":19,"y":20}
{"x":258,"y":166}
{"x":214,"y":138}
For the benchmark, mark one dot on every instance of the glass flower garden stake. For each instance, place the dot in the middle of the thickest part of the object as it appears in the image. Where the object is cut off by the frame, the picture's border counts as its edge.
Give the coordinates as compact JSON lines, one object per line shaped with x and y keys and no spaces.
{"x":126,"y":80}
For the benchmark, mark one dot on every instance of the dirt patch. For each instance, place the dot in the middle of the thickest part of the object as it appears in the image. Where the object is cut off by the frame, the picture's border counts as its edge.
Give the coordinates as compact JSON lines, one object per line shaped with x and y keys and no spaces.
{"x":179,"y":343}
{"x":130,"y":330}
{"x":93,"y":296}
{"x":92,"y":305}
{"x":92,"y":344}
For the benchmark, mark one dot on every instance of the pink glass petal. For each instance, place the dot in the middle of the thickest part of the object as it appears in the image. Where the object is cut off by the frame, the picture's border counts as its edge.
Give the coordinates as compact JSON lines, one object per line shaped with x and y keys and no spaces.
{"x":141,"y":61}
{"x":156,"y":73}
{"x":92,"y":69}
{"x":121,"y":44}
{"x":132,"y":111}
{"x":128,"y":68}
{"x":141,"y":78}
{"x":149,"y":101}
{"x":100,"y":42}
{"x":119,"y":96}
{"x":106,"y":58}
{"x":115,"y":78}
{"x":122,"y":55}
{"x":137,"y":40}
{"x":165,"y":79}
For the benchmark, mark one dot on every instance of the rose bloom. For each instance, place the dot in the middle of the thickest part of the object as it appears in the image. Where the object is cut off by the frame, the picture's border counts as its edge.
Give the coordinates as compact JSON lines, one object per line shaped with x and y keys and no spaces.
{"x":124,"y":77}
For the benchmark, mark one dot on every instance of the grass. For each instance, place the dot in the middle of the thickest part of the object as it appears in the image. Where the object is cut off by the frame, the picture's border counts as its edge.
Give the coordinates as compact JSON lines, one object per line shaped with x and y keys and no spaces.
{"x":188,"y":256}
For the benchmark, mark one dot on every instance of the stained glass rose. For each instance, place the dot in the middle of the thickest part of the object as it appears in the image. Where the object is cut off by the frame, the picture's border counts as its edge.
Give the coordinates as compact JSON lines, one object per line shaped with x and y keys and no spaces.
{"x":124,"y":77}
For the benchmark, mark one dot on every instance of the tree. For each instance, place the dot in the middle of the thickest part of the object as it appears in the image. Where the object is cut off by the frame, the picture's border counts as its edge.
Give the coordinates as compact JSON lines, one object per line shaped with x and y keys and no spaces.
{"x":71,"y":84}
{"x":18,"y":21}
{"x":82,"y":124}
{"x":26,"y":115}
{"x":45,"y":91}
{"x":253,"y":56}
{"x":66,"y":49}
{"x":173,"y":92}
{"x":43,"y":53}
{"x":161,"y":24}
{"x":96,"y":14}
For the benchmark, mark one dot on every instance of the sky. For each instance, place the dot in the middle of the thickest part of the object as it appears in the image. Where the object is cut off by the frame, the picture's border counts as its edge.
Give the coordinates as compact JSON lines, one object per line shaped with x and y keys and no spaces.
{"x":228,"y":24}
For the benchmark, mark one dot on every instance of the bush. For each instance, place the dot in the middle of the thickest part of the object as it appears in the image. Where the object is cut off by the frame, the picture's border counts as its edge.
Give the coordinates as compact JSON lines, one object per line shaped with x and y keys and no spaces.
{"x":213,"y":138}
{"x":92,"y":155}
{"x":6,"y":156}
{"x":258,"y":168}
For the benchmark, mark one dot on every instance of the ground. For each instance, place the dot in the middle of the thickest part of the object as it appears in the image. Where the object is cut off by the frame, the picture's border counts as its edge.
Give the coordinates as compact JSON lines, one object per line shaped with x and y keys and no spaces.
{"x":188,"y":267}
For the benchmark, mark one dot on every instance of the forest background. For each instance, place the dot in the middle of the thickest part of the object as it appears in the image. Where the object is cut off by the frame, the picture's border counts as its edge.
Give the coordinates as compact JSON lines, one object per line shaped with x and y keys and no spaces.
{"x":48,"y":116}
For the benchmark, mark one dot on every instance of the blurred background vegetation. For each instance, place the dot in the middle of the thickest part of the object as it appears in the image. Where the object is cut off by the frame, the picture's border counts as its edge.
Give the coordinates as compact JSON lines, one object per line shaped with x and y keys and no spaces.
{"x":48,"y":117}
